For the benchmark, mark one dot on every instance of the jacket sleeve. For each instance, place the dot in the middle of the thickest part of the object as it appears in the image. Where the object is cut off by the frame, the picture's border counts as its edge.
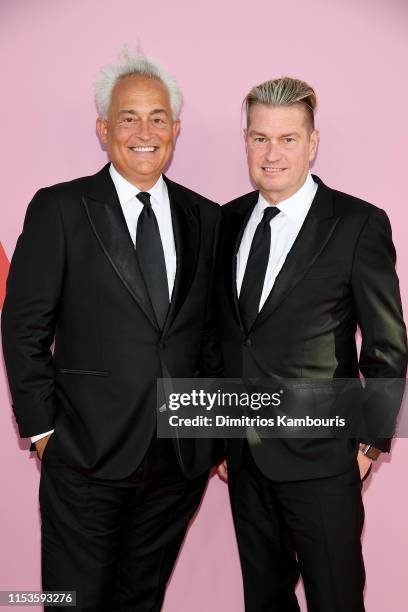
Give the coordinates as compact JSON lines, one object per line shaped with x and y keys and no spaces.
{"x":383,"y":356}
{"x":29,"y":314}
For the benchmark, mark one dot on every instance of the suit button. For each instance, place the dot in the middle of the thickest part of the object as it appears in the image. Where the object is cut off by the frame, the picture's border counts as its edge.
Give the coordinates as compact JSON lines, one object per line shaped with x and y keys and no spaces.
{"x":248,"y":342}
{"x":162,"y":345}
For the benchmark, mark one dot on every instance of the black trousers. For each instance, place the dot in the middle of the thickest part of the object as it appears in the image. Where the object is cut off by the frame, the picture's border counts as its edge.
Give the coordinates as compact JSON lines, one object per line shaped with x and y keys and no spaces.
{"x":310,"y":527}
{"x":115,"y":542}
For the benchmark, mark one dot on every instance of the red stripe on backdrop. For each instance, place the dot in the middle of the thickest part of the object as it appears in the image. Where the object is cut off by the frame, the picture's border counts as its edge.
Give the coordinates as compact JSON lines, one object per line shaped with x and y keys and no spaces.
{"x":4,"y":268}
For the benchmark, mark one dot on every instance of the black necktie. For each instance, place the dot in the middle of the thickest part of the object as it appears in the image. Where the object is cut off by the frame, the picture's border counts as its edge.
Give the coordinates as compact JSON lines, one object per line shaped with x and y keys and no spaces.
{"x":150,"y":255}
{"x":254,"y":276}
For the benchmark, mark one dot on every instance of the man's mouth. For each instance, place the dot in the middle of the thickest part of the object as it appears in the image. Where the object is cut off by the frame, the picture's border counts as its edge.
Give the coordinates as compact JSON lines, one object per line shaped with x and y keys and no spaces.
{"x":143,"y":149}
{"x":272,"y":170}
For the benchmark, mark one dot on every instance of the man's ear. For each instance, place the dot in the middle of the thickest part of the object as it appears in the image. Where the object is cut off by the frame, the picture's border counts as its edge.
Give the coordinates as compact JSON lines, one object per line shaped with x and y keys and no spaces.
{"x":314,"y":141}
{"x":245,"y":139}
{"x":102,"y":129}
{"x":176,"y":129}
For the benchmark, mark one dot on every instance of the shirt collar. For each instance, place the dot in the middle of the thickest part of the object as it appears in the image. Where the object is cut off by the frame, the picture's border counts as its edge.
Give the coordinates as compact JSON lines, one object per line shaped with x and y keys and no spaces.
{"x":126,"y":191}
{"x":297,"y":205}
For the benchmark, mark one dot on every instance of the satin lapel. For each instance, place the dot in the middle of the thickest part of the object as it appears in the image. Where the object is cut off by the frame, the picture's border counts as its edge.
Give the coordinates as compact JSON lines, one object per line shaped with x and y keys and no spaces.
{"x":238,"y":222}
{"x":316,"y":231}
{"x":109,"y":225}
{"x":185,"y":216}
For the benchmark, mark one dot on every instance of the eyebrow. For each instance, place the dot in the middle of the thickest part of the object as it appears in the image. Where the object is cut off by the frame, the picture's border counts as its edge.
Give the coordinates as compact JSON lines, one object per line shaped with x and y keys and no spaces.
{"x":131,"y":111}
{"x":256,"y":133}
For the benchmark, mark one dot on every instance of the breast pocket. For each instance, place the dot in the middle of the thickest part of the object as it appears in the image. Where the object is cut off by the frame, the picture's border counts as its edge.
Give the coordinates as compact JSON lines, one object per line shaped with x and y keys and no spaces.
{"x":83,"y":372}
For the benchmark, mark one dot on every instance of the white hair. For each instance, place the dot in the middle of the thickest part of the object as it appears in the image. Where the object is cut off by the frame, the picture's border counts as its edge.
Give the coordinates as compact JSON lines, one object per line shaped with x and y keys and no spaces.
{"x":134,"y":64}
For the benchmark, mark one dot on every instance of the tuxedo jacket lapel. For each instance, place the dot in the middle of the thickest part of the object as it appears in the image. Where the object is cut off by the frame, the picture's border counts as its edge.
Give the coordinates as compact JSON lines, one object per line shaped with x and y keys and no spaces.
{"x":108,"y":222}
{"x":187,"y":231}
{"x":317,"y":229}
{"x":236,"y":229}
{"x":105,"y":214}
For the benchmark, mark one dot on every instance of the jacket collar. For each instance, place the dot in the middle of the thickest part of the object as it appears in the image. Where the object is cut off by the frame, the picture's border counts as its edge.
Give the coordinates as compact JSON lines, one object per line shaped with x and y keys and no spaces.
{"x":105,"y":215}
{"x":314,"y":234}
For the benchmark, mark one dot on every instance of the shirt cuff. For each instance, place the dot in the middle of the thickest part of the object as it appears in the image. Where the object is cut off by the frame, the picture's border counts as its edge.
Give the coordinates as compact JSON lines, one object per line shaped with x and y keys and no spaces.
{"x":41,"y":435}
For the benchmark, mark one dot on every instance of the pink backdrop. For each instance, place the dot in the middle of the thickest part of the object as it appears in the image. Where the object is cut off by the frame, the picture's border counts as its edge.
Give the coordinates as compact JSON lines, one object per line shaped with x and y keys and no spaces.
{"x":355,"y":54}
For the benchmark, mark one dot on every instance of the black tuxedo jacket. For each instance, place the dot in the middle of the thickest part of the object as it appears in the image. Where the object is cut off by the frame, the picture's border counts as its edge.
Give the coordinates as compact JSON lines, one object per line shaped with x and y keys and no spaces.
{"x":339,"y":274}
{"x":74,"y":280}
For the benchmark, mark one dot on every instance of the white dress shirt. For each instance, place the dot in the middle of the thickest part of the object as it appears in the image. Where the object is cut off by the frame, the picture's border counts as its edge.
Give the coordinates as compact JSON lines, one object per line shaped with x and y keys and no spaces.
{"x":284,"y":230}
{"x":132,"y":207}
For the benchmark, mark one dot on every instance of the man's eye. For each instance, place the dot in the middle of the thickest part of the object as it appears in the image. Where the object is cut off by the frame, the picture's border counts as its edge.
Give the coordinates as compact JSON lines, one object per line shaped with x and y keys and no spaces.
{"x":158,"y":121}
{"x":289,"y":140}
{"x":129,"y":119}
{"x":260,"y":139}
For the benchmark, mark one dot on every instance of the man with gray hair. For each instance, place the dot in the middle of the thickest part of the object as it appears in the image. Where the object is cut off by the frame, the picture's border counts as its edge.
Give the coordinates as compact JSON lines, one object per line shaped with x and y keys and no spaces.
{"x":115,"y":268}
{"x":310,"y":264}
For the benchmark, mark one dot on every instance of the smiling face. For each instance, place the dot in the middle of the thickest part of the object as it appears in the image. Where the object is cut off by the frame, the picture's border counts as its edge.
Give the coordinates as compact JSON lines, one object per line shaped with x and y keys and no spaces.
{"x":139,"y":132}
{"x":280,"y":146}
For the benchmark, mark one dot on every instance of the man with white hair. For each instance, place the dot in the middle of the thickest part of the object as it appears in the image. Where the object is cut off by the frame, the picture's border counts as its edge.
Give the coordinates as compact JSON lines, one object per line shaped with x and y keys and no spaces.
{"x":115,"y":268}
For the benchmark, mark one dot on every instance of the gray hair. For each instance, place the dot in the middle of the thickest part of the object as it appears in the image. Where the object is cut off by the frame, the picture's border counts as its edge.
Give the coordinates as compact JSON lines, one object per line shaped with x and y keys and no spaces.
{"x":283,"y":92}
{"x":134,"y":64}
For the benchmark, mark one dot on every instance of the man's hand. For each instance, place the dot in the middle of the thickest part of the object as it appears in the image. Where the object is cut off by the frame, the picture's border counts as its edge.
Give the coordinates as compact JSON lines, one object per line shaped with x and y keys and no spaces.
{"x":364,"y":464}
{"x":41,"y":444}
{"x":222,"y":471}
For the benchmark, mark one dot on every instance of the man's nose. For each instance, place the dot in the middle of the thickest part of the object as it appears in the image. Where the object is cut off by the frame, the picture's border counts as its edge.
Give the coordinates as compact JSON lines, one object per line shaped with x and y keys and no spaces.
{"x":144,"y":131}
{"x":273,"y":152}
